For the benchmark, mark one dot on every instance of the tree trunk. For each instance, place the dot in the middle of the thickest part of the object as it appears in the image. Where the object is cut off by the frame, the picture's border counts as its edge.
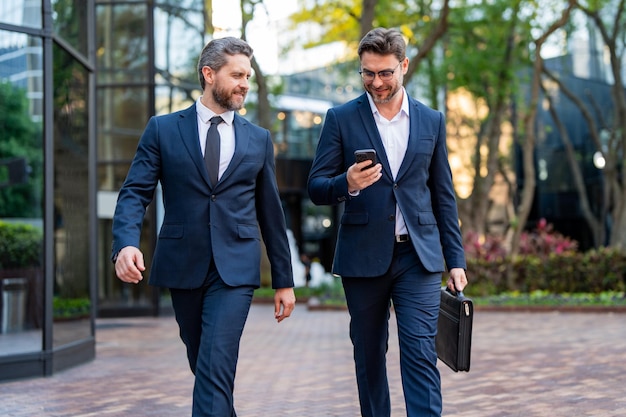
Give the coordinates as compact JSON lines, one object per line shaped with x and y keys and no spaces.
{"x":528,"y":147}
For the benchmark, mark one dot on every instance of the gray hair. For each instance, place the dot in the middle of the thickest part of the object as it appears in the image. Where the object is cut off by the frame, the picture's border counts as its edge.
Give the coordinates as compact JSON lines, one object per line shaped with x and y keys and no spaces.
{"x":383,"y":41}
{"x":214,"y":53}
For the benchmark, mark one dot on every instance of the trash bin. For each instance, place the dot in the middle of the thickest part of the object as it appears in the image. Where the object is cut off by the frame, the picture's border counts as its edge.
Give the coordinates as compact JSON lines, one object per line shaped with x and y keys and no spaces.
{"x":13,"y":304}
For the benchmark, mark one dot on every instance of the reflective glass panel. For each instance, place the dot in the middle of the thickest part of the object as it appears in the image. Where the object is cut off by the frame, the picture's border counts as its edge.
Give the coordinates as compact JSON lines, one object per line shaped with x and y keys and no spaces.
{"x":21,"y":193}
{"x":71,"y":302}
{"x":122,"y":116}
{"x":122,"y":43}
{"x":179,"y":39}
{"x":70,"y":22}
{"x":21,"y":12}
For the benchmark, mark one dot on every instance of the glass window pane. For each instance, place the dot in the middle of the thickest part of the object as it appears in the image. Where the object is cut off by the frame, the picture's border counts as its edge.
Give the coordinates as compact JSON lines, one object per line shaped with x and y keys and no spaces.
{"x":122,"y":43}
{"x":21,"y":194}
{"x":21,"y":12}
{"x":178,"y":43}
{"x":179,"y":39}
{"x":170,"y":99}
{"x":71,"y":172}
{"x":70,"y":22}
{"x":122,"y":116}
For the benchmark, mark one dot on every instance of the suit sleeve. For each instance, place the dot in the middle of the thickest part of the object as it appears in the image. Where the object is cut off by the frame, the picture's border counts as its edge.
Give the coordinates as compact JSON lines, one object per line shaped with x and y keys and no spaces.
{"x":138,"y":190}
{"x":444,"y":202}
{"x":327,"y":183}
{"x":271,"y":220}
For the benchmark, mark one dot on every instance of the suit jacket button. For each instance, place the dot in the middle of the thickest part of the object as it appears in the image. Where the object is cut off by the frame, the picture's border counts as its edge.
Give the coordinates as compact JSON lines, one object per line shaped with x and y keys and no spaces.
{"x":213,"y":197}
{"x":395,"y":186}
{"x":392,"y":217}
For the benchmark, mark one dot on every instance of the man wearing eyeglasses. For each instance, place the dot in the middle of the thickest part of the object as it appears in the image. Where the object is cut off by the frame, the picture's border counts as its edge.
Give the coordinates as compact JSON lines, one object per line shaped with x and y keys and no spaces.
{"x":399,"y":230}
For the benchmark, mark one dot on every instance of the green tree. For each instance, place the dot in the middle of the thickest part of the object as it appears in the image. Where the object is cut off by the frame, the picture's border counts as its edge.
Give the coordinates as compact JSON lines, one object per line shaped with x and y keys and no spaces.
{"x":486,"y":49}
{"x":20,"y":137}
{"x":422,"y":22}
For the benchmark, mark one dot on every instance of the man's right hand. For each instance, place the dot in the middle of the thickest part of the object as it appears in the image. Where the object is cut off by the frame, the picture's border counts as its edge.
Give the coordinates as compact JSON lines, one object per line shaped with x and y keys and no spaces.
{"x":359,"y":180}
{"x":129,"y":265}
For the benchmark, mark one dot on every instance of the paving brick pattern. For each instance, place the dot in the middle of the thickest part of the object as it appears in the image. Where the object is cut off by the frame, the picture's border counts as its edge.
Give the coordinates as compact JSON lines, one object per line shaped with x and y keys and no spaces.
{"x":547,"y":364}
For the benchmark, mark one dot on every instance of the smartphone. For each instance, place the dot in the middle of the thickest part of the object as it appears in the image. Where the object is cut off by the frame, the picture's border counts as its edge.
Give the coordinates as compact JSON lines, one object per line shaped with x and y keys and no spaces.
{"x":361,"y":155}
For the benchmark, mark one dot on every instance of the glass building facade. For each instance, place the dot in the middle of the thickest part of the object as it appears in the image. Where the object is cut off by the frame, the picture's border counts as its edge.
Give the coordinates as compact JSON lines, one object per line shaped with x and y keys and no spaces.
{"x":47,"y":177}
{"x":146,"y":55}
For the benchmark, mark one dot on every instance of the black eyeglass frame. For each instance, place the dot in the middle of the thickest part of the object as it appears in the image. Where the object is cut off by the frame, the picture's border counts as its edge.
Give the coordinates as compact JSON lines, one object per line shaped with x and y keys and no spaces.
{"x":384,"y":75}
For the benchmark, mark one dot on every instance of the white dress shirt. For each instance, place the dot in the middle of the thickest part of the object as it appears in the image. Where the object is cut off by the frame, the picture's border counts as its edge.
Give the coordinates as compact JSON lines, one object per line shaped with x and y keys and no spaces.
{"x":225,"y":129}
{"x":395,"y":137}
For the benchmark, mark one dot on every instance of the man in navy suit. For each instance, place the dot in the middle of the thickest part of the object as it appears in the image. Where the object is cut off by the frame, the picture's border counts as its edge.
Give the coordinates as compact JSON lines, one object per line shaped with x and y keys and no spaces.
{"x":399,"y":230}
{"x":209,"y":247}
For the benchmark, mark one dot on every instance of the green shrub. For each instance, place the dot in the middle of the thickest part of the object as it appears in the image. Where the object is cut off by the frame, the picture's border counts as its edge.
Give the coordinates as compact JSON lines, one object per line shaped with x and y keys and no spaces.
{"x":595,"y":271}
{"x":65,"y":308}
{"x":548,"y":261}
{"x":20,"y":245}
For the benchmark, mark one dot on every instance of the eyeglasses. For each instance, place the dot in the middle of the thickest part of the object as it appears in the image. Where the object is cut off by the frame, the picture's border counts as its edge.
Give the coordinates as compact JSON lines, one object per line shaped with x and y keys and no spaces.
{"x":384,"y":75}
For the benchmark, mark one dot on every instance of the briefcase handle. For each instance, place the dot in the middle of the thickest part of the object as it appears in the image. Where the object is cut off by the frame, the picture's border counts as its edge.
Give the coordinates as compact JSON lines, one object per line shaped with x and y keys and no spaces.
{"x":459,"y":294}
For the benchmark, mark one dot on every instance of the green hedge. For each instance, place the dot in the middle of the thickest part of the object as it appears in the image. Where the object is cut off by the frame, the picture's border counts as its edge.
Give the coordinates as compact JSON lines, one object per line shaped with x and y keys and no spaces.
{"x":595,"y":271}
{"x":20,"y":245}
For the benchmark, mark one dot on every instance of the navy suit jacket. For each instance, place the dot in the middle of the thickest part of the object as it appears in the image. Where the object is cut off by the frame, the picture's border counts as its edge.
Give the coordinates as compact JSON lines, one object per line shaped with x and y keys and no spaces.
{"x":423,"y":190}
{"x":224,"y":223}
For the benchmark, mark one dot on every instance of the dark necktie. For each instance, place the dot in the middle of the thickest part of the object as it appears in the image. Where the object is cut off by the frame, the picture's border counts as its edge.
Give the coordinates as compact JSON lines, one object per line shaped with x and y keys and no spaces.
{"x":212,"y":149}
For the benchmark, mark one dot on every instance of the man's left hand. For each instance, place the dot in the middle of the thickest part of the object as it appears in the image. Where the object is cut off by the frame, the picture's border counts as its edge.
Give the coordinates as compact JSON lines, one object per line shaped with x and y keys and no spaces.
{"x":284,"y":303}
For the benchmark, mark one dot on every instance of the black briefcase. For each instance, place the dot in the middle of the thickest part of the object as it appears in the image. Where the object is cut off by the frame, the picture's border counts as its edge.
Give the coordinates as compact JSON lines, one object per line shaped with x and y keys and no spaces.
{"x":454,"y":330}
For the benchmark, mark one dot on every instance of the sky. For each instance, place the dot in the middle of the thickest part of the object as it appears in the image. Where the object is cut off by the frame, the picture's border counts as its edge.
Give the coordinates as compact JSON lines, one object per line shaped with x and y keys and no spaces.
{"x":262,"y":32}
{"x":264,"y":36}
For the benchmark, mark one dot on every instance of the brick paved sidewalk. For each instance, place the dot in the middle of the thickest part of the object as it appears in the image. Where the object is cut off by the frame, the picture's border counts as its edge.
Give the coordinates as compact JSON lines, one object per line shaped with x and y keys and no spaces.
{"x":523,"y":364}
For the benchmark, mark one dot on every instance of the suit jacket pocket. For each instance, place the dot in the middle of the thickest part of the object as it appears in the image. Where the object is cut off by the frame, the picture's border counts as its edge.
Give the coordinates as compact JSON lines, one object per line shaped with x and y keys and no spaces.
{"x":248,"y":231}
{"x":426,"y":218}
{"x":425,"y":145}
{"x":171,"y":231}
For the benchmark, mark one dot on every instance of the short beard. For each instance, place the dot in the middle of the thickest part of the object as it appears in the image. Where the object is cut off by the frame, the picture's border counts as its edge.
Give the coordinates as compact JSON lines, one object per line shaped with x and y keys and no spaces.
{"x":224,"y":99}
{"x":378,"y":100}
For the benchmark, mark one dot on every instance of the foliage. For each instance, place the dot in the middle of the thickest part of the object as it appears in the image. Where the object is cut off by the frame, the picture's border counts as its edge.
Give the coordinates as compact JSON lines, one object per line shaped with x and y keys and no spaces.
{"x":544,"y":241}
{"x":594,"y":271}
{"x":488,"y":247}
{"x":547,"y":299}
{"x":548,"y":261}
{"x":499,"y":44}
{"x":330,"y":294}
{"x":20,"y":245}
{"x":64,"y":308}
{"x":540,"y":242}
{"x":20,"y":137}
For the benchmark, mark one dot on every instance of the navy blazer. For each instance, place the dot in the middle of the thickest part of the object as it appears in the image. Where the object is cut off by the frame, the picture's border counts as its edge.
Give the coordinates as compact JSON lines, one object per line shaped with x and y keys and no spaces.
{"x":225,"y":223}
{"x":423,"y":190}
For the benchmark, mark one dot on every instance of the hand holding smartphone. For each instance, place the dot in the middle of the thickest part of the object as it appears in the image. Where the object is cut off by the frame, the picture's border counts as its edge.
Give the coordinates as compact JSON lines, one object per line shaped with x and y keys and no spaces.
{"x":361,"y":155}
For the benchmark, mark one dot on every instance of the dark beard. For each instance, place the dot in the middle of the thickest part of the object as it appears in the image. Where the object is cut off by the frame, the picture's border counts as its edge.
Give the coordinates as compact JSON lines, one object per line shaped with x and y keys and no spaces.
{"x":224,"y":99}
{"x":385,"y":100}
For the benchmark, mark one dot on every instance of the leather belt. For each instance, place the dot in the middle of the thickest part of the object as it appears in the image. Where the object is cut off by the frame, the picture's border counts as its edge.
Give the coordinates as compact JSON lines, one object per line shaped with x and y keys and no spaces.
{"x":402,"y":238}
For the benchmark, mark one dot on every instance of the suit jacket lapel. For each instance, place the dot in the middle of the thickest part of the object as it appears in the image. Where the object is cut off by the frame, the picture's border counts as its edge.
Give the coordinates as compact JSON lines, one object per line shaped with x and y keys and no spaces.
{"x":365,"y":111}
{"x":414,"y":127}
{"x":188,"y":127}
{"x":242,"y":139}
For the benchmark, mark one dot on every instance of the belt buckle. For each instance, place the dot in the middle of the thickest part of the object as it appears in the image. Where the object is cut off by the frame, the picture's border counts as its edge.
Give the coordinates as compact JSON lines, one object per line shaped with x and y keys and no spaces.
{"x":402,"y":238}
